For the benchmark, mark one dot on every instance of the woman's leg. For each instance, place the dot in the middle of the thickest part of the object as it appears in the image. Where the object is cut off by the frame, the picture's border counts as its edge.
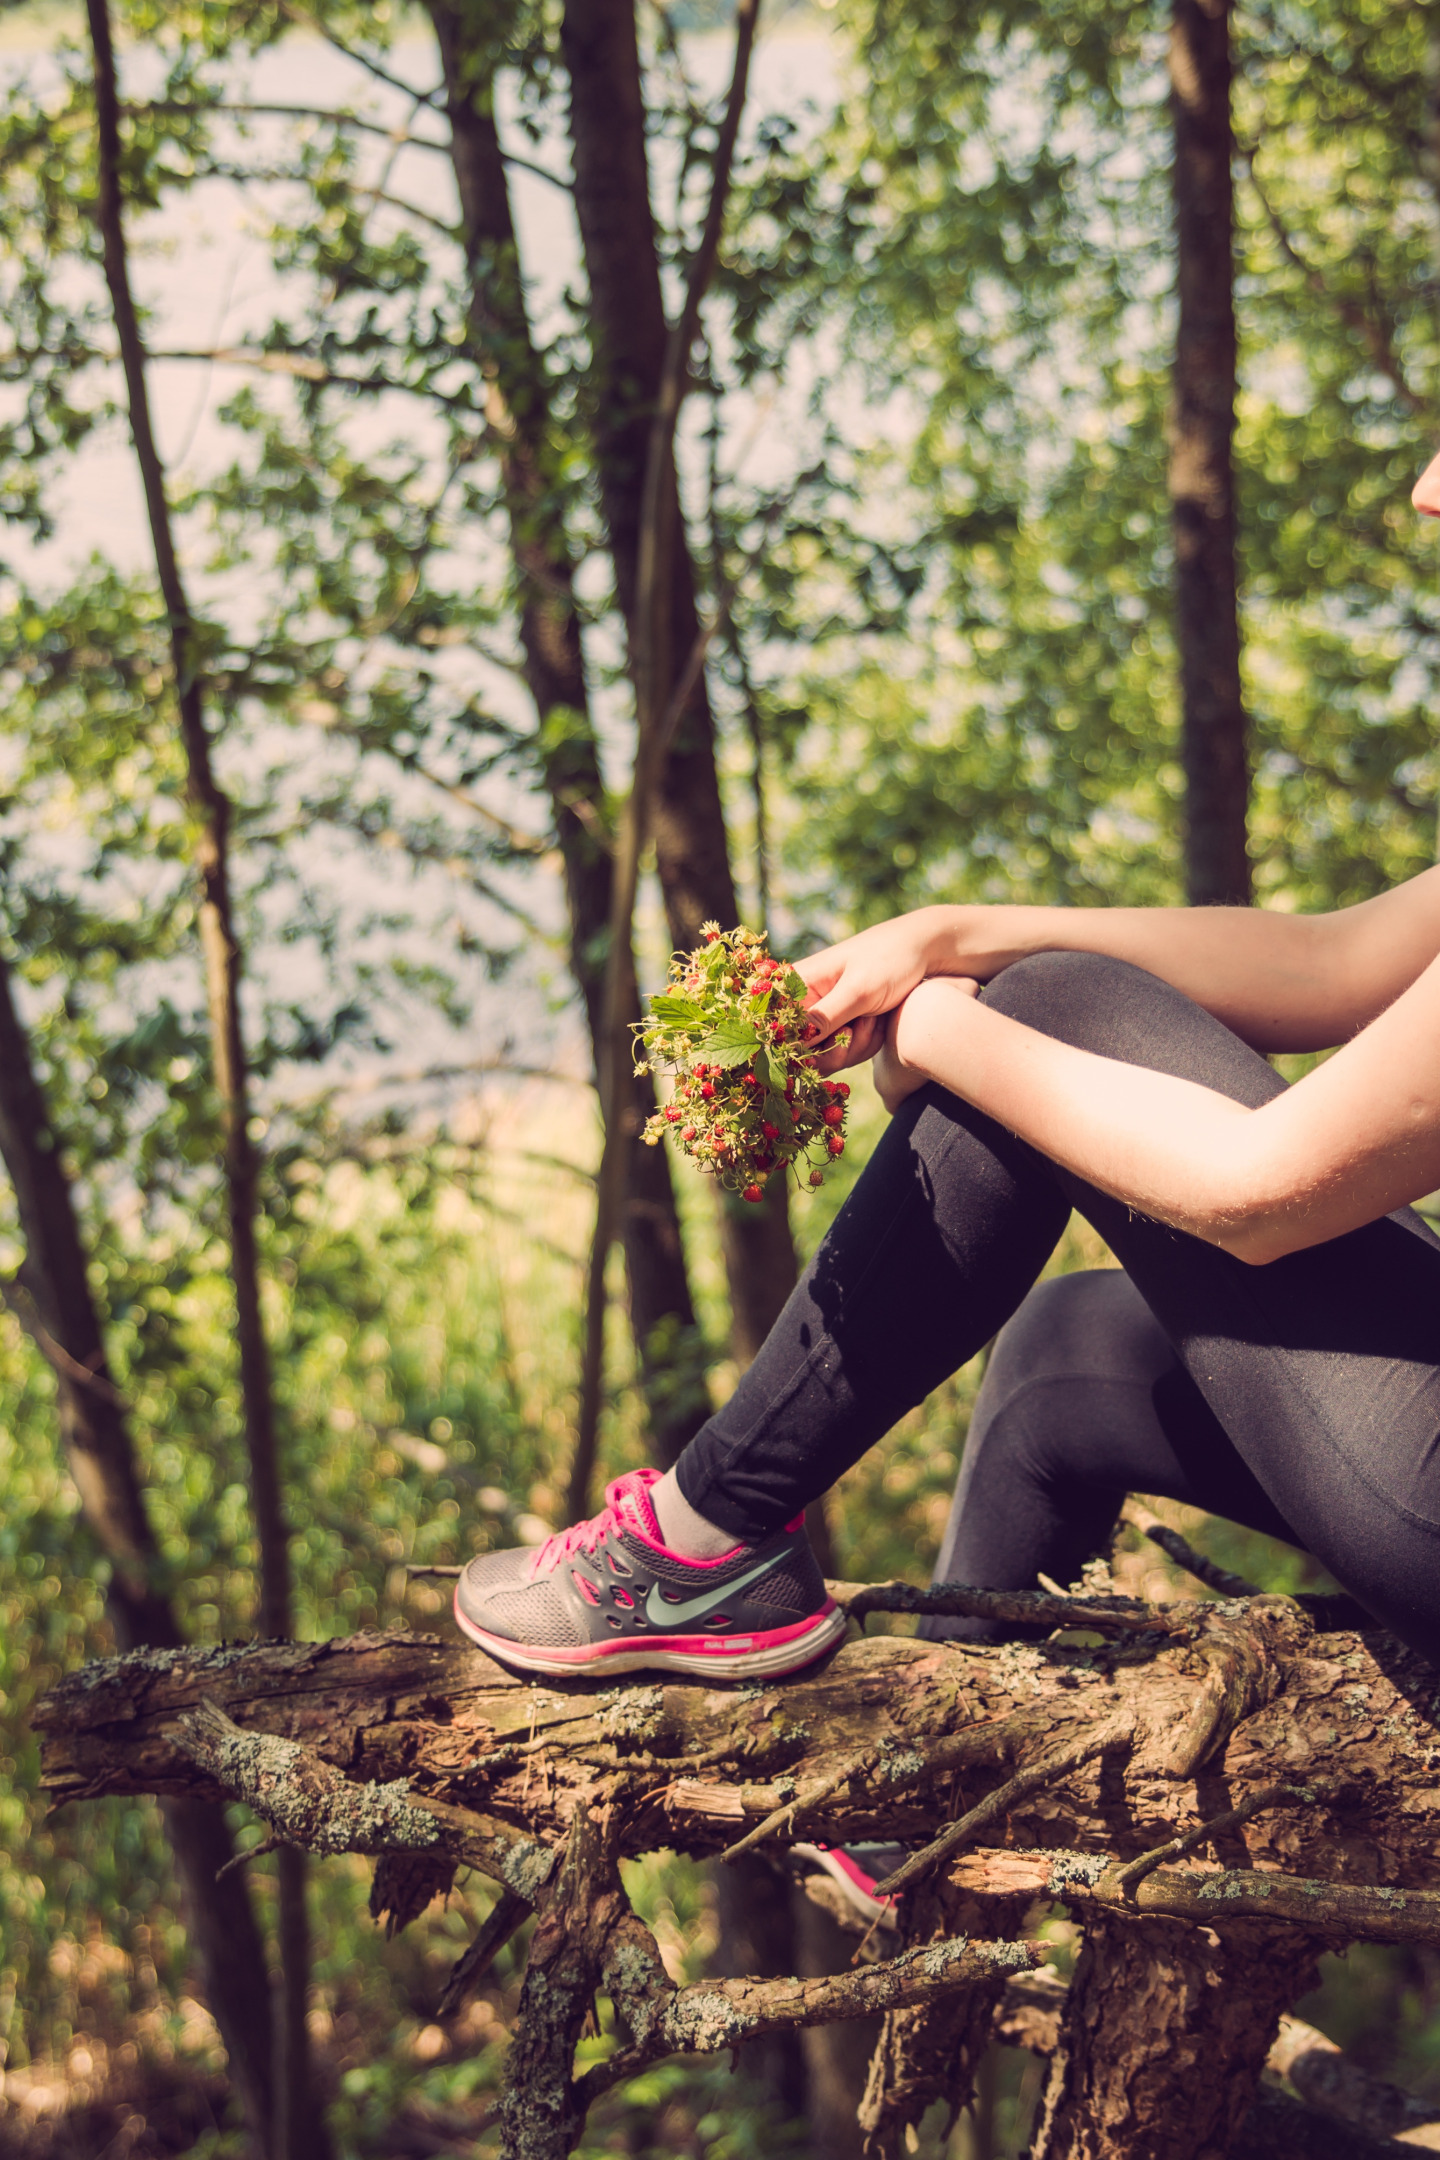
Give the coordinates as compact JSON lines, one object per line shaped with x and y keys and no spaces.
{"x":1083,"y":1401}
{"x":1322,"y":1367}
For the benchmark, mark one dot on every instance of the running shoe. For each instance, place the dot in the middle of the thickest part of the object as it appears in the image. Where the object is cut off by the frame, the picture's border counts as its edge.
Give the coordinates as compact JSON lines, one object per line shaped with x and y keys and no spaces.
{"x":856,"y":1870}
{"x":610,"y":1596}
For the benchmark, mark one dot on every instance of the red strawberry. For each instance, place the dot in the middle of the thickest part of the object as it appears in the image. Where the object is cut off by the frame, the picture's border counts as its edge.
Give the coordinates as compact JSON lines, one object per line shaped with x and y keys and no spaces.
{"x":832,"y":1087}
{"x":674,"y":1116}
{"x":833,"y":1114}
{"x":689,"y":1133}
{"x":835,"y":1144}
{"x":707,"y":1092}
{"x":753,"y":1192}
{"x":771,"y":1132}
{"x":842,"y":1087}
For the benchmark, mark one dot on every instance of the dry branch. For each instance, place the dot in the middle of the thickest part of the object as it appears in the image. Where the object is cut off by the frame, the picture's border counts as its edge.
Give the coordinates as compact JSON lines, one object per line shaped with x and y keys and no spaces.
{"x":682,"y":1764}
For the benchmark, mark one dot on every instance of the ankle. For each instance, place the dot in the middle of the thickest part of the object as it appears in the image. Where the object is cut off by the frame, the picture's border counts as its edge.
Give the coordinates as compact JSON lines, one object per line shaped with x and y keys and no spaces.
{"x":685,"y":1530}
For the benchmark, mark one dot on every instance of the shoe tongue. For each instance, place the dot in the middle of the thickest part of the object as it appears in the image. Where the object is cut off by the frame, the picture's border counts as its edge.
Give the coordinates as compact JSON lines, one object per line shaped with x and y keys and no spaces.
{"x":629,"y":1497}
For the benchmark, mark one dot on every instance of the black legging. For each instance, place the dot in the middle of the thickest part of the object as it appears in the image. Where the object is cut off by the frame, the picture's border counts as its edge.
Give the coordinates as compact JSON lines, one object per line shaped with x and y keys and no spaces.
{"x":1302,"y":1397}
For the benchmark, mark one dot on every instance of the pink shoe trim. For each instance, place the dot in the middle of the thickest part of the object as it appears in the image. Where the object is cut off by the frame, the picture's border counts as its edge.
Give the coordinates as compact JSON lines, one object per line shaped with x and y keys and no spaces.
{"x":720,"y":1647}
{"x":852,"y":1870}
{"x":627,"y":1506}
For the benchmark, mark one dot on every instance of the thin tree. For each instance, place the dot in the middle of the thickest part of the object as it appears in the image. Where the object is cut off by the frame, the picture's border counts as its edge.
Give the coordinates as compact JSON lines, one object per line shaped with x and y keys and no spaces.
{"x":299,"y":2132}
{"x":52,"y":1299}
{"x":1214,"y":727}
{"x":663,"y":675}
{"x":630,"y":339}
{"x":518,"y":400}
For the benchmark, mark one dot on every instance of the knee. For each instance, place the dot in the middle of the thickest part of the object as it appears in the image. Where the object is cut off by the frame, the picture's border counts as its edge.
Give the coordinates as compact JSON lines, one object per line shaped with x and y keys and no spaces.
{"x":1060,"y":991}
{"x":1095,"y":1002}
{"x":1093,"y":1325}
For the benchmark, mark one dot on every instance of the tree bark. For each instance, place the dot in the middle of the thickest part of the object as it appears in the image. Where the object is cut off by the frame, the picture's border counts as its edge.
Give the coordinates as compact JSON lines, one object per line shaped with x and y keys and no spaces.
{"x":300,"y":2130}
{"x":1163,"y":2038}
{"x":518,"y":407}
{"x":628,"y":333}
{"x":1214,"y":728}
{"x":56,"y":1306}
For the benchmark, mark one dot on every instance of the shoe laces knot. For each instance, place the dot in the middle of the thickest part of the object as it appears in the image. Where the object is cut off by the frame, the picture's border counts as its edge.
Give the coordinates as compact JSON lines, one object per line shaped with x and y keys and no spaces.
{"x":585,"y":1536}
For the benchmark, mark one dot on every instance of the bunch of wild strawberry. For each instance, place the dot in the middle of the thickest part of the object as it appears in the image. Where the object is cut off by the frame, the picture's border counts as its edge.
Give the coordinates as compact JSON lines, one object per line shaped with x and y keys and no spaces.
{"x":731,"y":1025}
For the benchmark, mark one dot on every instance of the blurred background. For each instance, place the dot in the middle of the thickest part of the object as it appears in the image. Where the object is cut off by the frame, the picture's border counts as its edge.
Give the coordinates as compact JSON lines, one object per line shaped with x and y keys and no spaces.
{"x":305,"y":838}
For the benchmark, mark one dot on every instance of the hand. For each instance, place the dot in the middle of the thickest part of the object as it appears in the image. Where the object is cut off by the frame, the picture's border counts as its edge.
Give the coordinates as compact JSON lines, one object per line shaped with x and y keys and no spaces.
{"x":856,"y":983}
{"x":898,"y":1072}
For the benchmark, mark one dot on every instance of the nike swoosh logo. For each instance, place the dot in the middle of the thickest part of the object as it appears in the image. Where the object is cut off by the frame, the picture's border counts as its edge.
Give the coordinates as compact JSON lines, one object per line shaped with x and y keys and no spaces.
{"x":661,"y":1613}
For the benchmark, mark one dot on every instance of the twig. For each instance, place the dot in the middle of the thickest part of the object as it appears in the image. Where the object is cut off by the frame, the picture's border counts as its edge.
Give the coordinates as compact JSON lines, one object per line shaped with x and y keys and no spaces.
{"x":317,"y":23}
{"x":810,"y":1797}
{"x":336,"y":116}
{"x":999,"y":1803}
{"x":18,"y":1300}
{"x":268,"y":1844}
{"x":1378,"y":337}
{"x":1184,"y":1555}
{"x":508,"y":1914}
{"x":1126,"y":1878}
{"x":1020,"y":1607}
{"x":309,"y":370}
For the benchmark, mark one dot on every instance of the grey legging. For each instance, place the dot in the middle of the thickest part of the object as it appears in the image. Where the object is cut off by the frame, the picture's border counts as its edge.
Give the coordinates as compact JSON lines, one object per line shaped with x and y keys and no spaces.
{"x":1302,"y":1397}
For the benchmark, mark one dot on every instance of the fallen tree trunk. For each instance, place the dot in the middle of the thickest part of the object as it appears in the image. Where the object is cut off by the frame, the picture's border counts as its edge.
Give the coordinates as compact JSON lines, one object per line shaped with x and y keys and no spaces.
{"x":1215,"y":1790}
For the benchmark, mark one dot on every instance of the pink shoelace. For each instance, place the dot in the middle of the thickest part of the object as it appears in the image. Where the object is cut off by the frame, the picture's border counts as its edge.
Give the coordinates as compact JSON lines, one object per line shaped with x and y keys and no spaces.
{"x":585,"y":1536}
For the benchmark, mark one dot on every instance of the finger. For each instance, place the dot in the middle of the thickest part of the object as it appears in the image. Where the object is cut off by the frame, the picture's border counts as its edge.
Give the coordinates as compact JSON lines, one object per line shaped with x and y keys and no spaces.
{"x":836,"y":1010}
{"x":866,"y":1036}
{"x":821,"y":971}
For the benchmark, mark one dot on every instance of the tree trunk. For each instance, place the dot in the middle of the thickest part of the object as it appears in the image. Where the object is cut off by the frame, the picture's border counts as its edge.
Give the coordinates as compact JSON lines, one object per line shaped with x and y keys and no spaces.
{"x":1164,"y":2035}
{"x":55,"y":1305}
{"x":757,"y":1911}
{"x":518,"y":406}
{"x":300,"y":2130}
{"x":1214,"y":729}
{"x":628,"y":334}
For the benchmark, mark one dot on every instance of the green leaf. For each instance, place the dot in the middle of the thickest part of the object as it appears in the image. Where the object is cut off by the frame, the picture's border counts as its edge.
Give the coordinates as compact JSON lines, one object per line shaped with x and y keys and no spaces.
{"x":731,"y":1042}
{"x":796,"y":985}
{"x":676,"y":1011}
{"x":764,"y":1069}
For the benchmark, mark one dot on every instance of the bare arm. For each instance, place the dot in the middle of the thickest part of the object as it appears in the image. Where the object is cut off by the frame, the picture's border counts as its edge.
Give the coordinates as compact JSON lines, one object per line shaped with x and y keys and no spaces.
{"x":1282,"y":982}
{"x":1358,"y":1136}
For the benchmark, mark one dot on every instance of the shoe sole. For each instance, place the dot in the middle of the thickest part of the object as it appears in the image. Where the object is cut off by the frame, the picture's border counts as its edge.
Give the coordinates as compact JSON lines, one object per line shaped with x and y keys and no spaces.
{"x":631,"y":1654}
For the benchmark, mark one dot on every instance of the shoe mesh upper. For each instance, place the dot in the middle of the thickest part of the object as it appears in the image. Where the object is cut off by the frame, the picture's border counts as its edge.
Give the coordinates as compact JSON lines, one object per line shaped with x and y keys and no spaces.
{"x":535,"y":1614}
{"x":787,"y":1590}
{"x":498,"y":1570}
